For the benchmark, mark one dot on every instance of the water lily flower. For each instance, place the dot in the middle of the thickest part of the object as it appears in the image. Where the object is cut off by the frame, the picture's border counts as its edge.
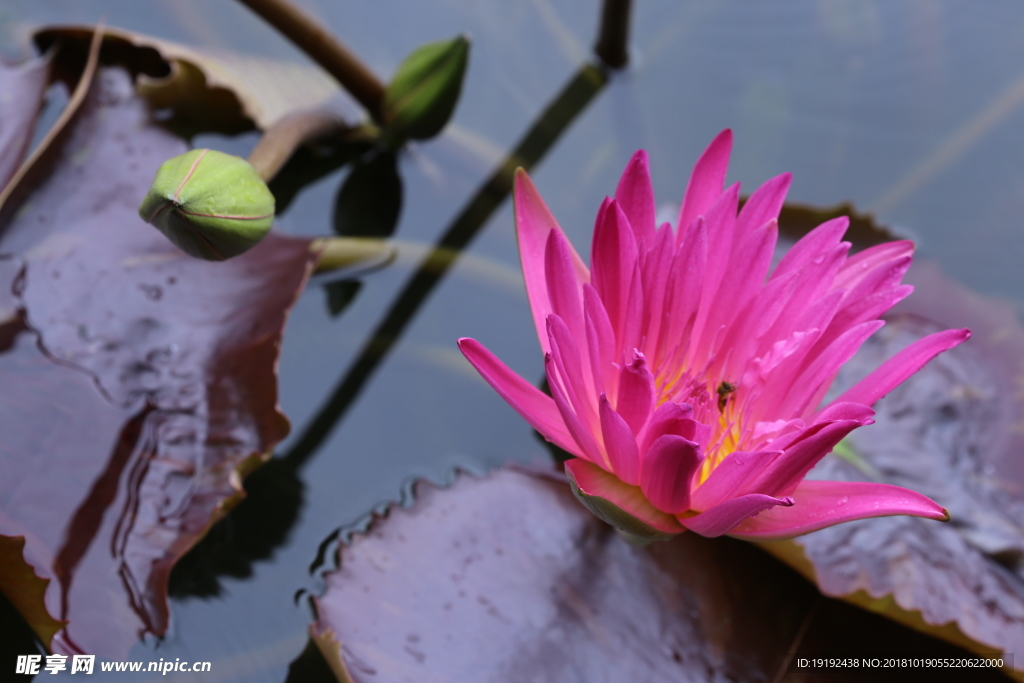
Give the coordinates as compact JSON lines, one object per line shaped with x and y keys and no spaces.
{"x":686,"y":379}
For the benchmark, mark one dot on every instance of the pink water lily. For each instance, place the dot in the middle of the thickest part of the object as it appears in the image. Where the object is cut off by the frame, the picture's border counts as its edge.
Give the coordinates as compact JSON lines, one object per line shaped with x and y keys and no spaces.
{"x":686,"y":380}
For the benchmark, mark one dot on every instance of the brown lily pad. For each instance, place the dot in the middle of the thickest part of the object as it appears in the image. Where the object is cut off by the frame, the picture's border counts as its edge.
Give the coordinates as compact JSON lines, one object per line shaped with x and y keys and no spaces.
{"x":139,"y":384}
{"x":953,"y":432}
{"x":208,"y":89}
{"x":508,"y":578}
{"x":796,"y":220}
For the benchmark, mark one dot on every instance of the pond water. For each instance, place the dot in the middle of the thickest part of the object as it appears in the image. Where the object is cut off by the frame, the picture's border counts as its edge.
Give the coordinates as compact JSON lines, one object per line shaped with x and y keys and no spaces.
{"x":911,"y":110}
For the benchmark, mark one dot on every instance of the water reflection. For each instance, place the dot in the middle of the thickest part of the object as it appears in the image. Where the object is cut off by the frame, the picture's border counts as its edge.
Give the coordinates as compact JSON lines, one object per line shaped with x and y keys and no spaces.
{"x":260,"y":523}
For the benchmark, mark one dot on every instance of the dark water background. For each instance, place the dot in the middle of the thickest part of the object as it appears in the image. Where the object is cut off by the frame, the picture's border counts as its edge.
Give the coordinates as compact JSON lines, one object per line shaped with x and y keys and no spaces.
{"x":912,"y":110}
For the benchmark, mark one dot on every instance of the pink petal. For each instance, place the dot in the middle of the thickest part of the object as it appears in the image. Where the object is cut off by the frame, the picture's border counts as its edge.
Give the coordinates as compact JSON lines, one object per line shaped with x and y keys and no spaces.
{"x":722,"y":518}
{"x":785,"y":433}
{"x":773,"y":374}
{"x":781,"y":368}
{"x":744,"y":339}
{"x":787,"y":470}
{"x":764,"y":205}
{"x":654,"y":271}
{"x":614,"y":257}
{"x":586,"y":444}
{"x":875,"y":293}
{"x":882,"y":278}
{"x":863,"y":262}
{"x":534,"y":223}
{"x":721,"y":225}
{"x":818,"y":315}
{"x":858,"y":306}
{"x":845,"y":411}
{"x":770,"y":304}
{"x":684,"y":279}
{"x":576,"y":385}
{"x":813,"y":281}
{"x":636,"y":393}
{"x":667,"y":473}
{"x":744,"y":277}
{"x":819,"y":504}
{"x":669,"y":418}
{"x":565,"y":292}
{"x":894,"y":371}
{"x":538,"y":409}
{"x":594,"y":481}
{"x":825,"y":366}
{"x":630,"y":335}
{"x":813,"y":402}
{"x":635,"y":195}
{"x":812,"y":245}
{"x":730,"y":477}
{"x":706,"y":181}
{"x":620,"y":444}
{"x":600,"y":342}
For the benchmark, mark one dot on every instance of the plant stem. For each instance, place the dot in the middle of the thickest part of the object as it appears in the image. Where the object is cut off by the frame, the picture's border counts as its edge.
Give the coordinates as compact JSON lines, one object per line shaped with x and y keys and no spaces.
{"x":613,"y":34}
{"x":324,"y":49}
{"x":577,"y":94}
{"x":280,"y":141}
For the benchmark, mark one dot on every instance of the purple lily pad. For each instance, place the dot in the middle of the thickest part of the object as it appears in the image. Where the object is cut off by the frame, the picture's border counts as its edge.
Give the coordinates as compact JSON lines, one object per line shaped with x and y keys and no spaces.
{"x":508,"y":578}
{"x":139,"y":384}
{"x":24,"y":87}
{"x":952,"y":432}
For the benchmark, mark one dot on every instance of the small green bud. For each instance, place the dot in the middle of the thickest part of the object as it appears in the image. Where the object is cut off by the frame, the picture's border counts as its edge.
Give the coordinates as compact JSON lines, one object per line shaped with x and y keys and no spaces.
{"x":211,"y":205}
{"x":423,"y":94}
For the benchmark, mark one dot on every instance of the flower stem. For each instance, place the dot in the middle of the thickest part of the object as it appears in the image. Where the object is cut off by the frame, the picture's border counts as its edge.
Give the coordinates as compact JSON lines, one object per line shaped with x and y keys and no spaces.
{"x":614,"y":33}
{"x":324,"y":49}
{"x":283,"y":137}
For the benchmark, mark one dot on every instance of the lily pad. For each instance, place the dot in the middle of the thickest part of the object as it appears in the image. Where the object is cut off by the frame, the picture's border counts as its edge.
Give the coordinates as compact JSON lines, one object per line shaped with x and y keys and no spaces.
{"x":24,"y":87}
{"x":953,"y":432}
{"x":209,"y":89}
{"x":508,"y":578}
{"x":139,"y":385}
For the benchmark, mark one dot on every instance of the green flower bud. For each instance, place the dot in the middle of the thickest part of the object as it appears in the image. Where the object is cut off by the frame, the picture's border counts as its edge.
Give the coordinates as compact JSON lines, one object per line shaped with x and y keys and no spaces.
{"x":211,"y":205}
{"x":423,"y":94}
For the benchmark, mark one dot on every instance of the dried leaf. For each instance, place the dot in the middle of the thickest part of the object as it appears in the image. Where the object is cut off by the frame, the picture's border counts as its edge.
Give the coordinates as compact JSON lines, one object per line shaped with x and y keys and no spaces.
{"x":209,"y":89}
{"x":796,"y":220}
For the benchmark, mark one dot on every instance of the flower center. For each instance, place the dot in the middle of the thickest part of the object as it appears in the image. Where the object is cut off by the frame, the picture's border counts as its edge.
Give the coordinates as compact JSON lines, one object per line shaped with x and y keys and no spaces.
{"x":714,"y":404}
